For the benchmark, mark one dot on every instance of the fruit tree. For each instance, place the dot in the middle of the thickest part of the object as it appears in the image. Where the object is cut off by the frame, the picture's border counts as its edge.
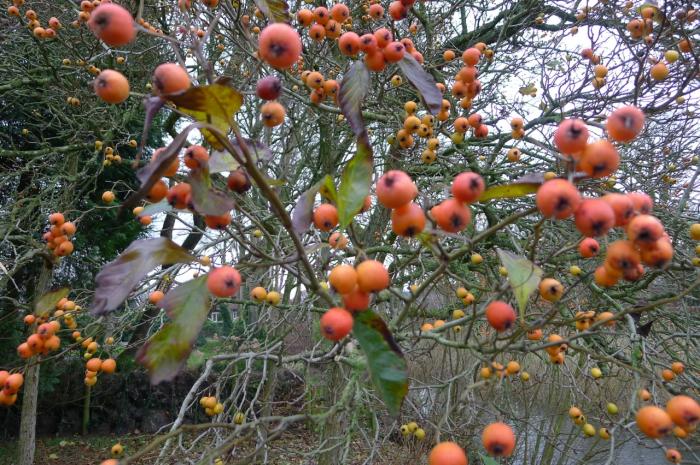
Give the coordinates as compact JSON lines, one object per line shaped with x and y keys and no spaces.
{"x":440,"y":232}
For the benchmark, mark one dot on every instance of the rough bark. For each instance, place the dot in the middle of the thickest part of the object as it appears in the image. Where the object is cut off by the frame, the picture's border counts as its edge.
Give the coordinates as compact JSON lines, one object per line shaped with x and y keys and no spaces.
{"x":27,"y":428}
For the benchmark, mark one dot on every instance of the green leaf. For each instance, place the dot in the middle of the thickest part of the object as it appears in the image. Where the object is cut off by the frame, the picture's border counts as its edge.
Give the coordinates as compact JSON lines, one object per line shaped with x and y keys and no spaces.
{"x":353,"y":89}
{"x":166,"y":352}
{"x":488,"y":460}
{"x":47,"y":302}
{"x":275,"y":10}
{"x":327,"y":189}
{"x":205,"y":199}
{"x":508,"y":191}
{"x":114,"y":282}
{"x":214,"y":104}
{"x":387,"y":365}
{"x":354,"y":183}
{"x":523,"y":275}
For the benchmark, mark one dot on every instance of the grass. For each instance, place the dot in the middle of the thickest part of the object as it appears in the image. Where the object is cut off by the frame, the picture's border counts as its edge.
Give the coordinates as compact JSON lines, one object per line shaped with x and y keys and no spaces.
{"x":72,"y":450}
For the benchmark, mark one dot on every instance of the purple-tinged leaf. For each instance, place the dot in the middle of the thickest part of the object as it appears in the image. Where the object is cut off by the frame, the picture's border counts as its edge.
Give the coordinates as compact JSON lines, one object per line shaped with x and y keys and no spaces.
{"x":387,"y":365}
{"x":275,"y":10}
{"x":206,"y":199}
{"x":353,"y":89}
{"x":152,"y":106}
{"x":117,"y":279}
{"x":153,"y":171}
{"x":355,"y":183}
{"x":47,"y":303}
{"x":304,"y":209}
{"x":423,"y":82}
{"x":166,"y":352}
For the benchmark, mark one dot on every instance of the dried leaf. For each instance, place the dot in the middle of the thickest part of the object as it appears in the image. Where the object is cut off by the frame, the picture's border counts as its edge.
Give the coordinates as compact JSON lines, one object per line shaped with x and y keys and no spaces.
{"x":275,"y":10}
{"x":115,"y":281}
{"x":214,"y":104}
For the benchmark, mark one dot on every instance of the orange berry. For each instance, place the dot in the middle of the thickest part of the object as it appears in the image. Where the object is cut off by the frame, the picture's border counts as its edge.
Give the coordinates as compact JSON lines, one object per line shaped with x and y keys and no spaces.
{"x":349,"y":44}
{"x":645,"y":230}
{"x":170,"y":78}
{"x":500,"y":315}
{"x":451,"y":215}
{"x":238,"y":181}
{"x":272,"y":113}
{"x":171,"y":170}
{"x":408,"y":220}
{"x":279,"y":45}
{"x":343,"y":278}
{"x":683,"y":411}
{"x":356,"y":300}
{"x":223,"y":281}
{"x":336,"y":323}
{"x":557,"y":198}
{"x":625,"y":123}
{"x":594,"y":217}
{"x":372,"y":276}
{"x":157,"y":192}
{"x":179,"y":195}
{"x":678,"y":367}
{"x":112,"y":24}
{"x":498,"y":439}
{"x":395,"y":189}
{"x":218,"y":221}
{"x":673,"y":456}
{"x":447,"y":453}
{"x":155,"y":297}
{"x":196,"y":156}
{"x":111,"y":86}
{"x":467,"y":187}
{"x":599,"y":159}
{"x":654,"y":421}
{"x":471,"y":56}
{"x":571,"y":137}
{"x":383,"y":36}
{"x":642,"y":202}
{"x":326,"y":217}
{"x":551,"y":289}
{"x":588,"y":247}
{"x":13,"y":383}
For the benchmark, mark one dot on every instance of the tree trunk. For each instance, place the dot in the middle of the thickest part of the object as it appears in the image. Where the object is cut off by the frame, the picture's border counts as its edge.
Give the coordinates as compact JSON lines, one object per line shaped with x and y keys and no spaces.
{"x":335,"y":429}
{"x":27,"y":428}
